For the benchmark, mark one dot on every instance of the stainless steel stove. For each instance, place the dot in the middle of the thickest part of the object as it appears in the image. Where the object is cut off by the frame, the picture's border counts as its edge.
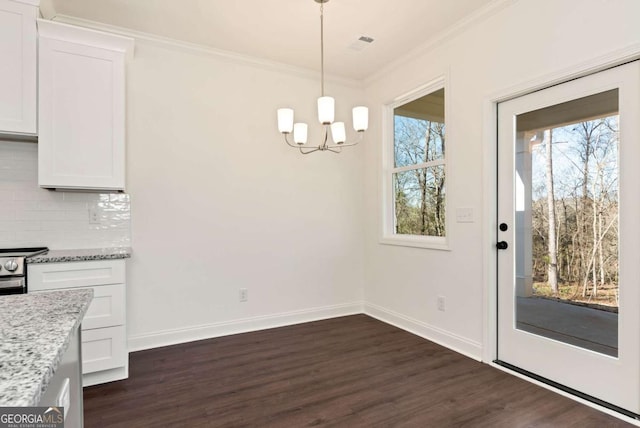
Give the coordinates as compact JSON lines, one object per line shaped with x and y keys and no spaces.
{"x":13,"y":269}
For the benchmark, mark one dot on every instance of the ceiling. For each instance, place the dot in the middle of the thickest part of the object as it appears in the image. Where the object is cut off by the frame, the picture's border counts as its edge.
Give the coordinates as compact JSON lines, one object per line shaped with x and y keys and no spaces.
{"x":288,"y":31}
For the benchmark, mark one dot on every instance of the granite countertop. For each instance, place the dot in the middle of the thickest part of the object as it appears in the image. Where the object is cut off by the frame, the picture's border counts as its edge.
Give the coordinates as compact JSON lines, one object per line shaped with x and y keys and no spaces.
{"x":61,"y":256}
{"x":35,"y":330}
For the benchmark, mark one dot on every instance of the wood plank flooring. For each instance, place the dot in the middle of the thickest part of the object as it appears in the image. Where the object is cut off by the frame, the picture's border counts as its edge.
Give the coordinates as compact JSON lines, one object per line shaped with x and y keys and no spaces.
{"x":344,"y":372}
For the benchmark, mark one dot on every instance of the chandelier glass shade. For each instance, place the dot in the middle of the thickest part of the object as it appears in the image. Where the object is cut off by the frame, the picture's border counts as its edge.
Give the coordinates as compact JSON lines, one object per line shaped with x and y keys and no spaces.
{"x":326,"y":116}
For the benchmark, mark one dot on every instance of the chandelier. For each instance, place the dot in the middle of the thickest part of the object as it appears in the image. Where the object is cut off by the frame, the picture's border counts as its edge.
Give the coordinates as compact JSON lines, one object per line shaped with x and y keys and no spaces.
{"x":326,"y":115}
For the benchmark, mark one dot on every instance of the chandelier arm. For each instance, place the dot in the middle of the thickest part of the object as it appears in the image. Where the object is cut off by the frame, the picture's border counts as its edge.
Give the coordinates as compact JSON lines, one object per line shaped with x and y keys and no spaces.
{"x":286,"y":139}
{"x":310,"y":151}
{"x":334,"y":149}
{"x":355,"y":143}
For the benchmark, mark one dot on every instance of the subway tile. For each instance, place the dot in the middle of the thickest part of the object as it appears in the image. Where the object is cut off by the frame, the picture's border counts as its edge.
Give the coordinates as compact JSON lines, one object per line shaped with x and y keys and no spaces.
{"x":37,"y":195}
{"x":39,"y":237}
{"x":63,"y":225}
{"x":32,"y":216}
{"x":22,"y":206}
{"x":61,"y":206}
{"x":7,"y":212}
{"x":43,"y":215}
{"x":26,"y":225}
{"x":81,"y":197}
{"x":7,"y":240}
{"x":6,"y":154}
{"x":78,"y":215}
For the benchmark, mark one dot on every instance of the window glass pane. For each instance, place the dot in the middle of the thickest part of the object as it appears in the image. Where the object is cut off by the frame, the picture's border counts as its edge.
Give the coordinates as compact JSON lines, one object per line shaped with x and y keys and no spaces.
{"x":419,"y":196}
{"x":419,"y":133}
{"x":567,"y":209}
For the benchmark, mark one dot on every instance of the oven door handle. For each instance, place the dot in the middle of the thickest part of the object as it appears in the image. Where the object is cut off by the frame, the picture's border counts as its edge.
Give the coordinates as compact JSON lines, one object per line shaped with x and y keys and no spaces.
{"x":12,"y":283}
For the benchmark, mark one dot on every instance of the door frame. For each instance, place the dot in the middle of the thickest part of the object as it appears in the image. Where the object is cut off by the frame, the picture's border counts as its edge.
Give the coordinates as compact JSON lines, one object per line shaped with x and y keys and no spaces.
{"x":490,"y":200}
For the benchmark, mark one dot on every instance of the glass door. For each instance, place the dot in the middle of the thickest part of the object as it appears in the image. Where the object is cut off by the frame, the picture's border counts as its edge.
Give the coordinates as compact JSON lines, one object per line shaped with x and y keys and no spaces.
{"x":569,"y":233}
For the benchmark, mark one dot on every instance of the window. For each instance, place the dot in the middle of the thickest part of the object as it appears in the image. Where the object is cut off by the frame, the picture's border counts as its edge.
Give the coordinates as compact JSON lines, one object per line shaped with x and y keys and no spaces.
{"x":415,"y":171}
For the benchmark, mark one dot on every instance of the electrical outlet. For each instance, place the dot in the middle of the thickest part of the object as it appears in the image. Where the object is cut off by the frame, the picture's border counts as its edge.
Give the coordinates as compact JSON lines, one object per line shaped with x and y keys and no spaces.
{"x":441,"y":302}
{"x":244,"y":295}
{"x":94,"y":215}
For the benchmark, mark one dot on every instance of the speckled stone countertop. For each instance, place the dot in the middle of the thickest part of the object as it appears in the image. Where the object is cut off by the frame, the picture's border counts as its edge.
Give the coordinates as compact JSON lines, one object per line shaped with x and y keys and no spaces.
{"x":61,"y":256}
{"x":35,"y":330}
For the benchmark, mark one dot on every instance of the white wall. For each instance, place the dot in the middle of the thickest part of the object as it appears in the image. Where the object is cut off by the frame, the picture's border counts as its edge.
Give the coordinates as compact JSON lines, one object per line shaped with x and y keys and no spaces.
{"x":219,"y":202}
{"x":520,"y":43}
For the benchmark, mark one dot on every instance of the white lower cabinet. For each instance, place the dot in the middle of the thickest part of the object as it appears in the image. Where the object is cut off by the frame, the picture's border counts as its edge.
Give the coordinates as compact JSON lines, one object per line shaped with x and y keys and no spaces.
{"x":105,"y":357}
{"x":107,"y":308}
{"x":103,"y":349}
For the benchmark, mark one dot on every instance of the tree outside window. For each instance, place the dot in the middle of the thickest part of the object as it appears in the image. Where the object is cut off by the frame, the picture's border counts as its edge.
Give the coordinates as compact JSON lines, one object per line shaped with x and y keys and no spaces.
{"x":418,"y":172}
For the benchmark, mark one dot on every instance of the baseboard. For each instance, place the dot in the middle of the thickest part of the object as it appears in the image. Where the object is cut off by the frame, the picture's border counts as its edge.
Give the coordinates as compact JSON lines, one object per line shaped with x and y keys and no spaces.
{"x":208,"y":331}
{"x":456,"y":343}
{"x":176,"y":336}
{"x":96,"y":378}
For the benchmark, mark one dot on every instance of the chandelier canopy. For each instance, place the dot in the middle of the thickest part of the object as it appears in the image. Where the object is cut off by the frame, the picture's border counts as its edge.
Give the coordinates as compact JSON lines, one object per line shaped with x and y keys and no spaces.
{"x":326,"y":116}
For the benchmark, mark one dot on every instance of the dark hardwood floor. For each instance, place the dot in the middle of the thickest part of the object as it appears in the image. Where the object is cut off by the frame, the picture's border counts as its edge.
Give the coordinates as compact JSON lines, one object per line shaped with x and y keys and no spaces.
{"x":346,"y":372}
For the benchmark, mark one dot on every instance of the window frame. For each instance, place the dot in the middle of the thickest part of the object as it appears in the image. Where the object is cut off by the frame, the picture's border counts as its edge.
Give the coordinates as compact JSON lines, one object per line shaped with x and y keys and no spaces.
{"x":388,"y":235}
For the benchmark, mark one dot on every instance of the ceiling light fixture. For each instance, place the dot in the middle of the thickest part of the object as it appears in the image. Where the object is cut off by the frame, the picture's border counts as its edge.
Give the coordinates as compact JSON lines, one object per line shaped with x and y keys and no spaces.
{"x":326,"y":114}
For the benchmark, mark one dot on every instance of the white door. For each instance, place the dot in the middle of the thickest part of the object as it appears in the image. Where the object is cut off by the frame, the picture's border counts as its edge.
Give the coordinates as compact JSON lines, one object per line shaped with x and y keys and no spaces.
{"x":569,"y":235}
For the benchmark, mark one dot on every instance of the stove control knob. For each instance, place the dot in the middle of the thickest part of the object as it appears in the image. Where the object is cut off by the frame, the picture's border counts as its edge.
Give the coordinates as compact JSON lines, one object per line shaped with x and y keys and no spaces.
{"x":11,"y":265}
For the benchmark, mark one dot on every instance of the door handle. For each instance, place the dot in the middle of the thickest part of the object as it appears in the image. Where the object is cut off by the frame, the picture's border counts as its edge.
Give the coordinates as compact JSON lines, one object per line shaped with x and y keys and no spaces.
{"x":502,"y":245}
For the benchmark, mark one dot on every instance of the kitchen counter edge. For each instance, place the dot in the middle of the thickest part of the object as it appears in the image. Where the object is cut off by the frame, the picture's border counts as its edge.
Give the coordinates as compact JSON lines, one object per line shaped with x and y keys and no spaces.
{"x":80,"y":255}
{"x":32,"y":350}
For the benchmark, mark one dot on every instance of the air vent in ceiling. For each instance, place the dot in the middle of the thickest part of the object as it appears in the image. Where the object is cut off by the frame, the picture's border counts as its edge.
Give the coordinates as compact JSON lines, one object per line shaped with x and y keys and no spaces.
{"x":361,"y":43}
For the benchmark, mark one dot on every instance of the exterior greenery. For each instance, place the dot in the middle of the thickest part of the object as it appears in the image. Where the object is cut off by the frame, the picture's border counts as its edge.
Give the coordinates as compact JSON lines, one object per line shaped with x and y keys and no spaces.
{"x":419,"y":185}
{"x":584,"y":206}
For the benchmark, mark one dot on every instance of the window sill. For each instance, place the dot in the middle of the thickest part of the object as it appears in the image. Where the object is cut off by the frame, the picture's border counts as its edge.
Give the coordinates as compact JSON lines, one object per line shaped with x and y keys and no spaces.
{"x":414,"y":241}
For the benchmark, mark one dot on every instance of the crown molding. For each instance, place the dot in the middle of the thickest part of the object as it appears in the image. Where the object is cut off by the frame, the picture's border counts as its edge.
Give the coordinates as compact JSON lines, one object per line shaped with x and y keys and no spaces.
{"x":152,"y":39}
{"x":459,"y":27}
{"x":71,"y":33}
{"x":198,"y":49}
{"x":35,"y":3}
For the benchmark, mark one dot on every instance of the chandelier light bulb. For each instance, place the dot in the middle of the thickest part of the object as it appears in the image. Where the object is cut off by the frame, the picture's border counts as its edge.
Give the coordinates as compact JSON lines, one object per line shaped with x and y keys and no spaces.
{"x":285,"y":120}
{"x":360,"y":118}
{"x":300,"y":133}
{"x":326,"y":110}
{"x":338,"y":132}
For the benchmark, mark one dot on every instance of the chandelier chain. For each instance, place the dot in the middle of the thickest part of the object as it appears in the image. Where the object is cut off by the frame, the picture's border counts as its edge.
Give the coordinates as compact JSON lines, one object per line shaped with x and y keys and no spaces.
{"x":322,"y":49}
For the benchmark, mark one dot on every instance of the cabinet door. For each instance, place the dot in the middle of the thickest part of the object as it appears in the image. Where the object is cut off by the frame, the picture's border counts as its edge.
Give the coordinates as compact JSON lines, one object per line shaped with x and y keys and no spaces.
{"x":103,"y":349}
{"x":107,"y":307}
{"x":81,"y":108}
{"x":56,"y":276}
{"x":17,"y":68}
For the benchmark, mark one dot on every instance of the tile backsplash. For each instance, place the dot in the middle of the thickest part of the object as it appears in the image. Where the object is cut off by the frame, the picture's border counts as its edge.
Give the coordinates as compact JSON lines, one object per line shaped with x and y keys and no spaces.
{"x":30,"y":216}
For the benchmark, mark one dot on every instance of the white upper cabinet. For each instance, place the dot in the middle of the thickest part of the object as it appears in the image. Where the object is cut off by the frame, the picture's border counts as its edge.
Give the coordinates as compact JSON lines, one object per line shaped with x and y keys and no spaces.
{"x":18,"y":41}
{"x":81,"y":142}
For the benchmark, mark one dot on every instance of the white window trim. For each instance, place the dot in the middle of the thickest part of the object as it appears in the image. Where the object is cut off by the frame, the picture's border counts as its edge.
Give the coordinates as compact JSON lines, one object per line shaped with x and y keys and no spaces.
{"x":388,"y":235}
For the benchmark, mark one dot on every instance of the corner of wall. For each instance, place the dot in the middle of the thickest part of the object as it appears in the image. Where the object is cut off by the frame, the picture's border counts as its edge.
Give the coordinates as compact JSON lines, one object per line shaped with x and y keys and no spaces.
{"x":434,"y":334}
